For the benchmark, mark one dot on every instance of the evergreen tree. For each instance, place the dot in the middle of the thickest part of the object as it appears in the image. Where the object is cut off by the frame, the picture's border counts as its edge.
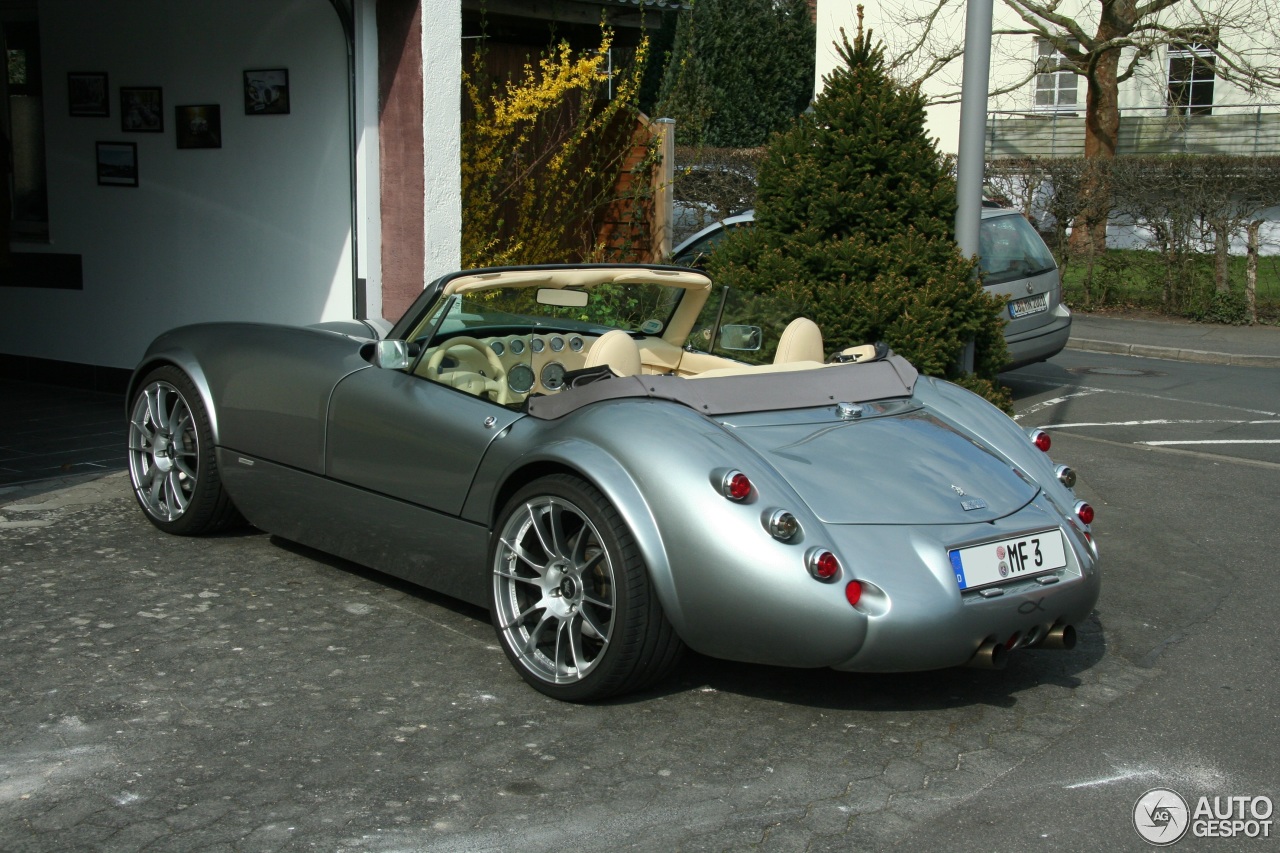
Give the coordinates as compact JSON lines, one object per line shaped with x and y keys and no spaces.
{"x":739,"y":71}
{"x":854,"y":221}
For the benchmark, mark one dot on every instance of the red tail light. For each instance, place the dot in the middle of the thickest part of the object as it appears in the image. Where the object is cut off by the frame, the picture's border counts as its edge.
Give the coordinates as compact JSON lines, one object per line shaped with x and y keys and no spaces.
{"x":822,"y":564}
{"x":1041,"y":439}
{"x":1084,"y":512}
{"x":736,"y":486}
{"x":853,"y":592}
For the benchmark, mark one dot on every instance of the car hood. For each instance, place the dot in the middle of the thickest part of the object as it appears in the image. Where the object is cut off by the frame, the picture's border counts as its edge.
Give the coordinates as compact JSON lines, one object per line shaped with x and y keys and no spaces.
{"x":906,"y":468}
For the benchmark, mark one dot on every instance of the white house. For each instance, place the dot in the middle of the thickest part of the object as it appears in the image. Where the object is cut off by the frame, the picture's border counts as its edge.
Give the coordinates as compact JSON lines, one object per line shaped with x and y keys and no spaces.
{"x":1177,"y":101}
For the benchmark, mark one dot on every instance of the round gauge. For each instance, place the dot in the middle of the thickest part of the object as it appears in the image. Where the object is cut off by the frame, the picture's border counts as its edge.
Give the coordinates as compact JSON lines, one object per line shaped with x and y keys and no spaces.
{"x":497,"y":347}
{"x":575,"y":343}
{"x":520,"y":378}
{"x":537,"y":345}
{"x":553,"y":376}
{"x":557,"y":343}
{"x":517,"y":346}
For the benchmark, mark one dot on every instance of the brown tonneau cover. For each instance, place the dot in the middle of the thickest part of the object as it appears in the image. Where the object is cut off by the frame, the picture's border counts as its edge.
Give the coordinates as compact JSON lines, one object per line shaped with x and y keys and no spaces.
{"x":886,"y":378}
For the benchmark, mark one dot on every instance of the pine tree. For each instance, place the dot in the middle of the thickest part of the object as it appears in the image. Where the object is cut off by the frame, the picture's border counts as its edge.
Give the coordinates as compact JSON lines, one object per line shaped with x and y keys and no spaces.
{"x":854,"y":221}
{"x":739,"y":70}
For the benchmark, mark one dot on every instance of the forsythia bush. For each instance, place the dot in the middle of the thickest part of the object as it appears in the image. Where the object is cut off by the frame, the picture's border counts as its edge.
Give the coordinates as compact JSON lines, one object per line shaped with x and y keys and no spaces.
{"x":542,"y":155}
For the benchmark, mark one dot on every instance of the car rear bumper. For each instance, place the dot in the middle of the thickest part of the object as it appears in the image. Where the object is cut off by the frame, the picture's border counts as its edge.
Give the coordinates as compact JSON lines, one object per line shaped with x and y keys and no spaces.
{"x":1040,"y":343}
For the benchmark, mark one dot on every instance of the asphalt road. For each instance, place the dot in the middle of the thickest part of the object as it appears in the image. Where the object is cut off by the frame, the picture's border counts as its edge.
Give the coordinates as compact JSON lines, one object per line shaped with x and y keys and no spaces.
{"x":239,"y":693}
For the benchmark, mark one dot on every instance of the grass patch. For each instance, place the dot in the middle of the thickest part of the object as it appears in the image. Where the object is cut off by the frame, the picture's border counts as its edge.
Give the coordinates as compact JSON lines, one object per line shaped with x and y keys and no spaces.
{"x":1141,"y":279}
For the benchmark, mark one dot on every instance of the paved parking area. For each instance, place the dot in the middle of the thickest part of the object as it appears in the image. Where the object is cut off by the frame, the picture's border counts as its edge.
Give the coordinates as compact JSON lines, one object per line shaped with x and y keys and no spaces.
{"x":238,"y":693}
{"x":48,"y":431}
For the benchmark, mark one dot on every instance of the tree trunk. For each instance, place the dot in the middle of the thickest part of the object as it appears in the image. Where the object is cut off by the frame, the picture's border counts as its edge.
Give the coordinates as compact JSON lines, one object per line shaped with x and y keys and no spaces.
{"x":1251,"y":273}
{"x":1221,"y":256}
{"x":1101,"y":134}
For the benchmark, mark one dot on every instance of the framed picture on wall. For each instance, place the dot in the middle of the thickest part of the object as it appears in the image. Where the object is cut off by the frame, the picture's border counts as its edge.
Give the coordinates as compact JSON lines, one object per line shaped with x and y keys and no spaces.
{"x":266,"y":92}
{"x":141,"y":109}
{"x":87,"y":94}
{"x":117,"y":164}
{"x":198,"y":126}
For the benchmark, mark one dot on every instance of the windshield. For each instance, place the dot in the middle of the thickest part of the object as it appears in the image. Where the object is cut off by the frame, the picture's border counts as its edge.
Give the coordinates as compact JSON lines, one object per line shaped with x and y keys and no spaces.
{"x":1010,"y":248}
{"x":640,"y":308}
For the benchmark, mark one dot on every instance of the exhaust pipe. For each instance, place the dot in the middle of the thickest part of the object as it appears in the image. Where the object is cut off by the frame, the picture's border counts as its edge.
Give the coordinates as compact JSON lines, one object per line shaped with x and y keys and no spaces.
{"x":1059,"y":637}
{"x":990,"y":655}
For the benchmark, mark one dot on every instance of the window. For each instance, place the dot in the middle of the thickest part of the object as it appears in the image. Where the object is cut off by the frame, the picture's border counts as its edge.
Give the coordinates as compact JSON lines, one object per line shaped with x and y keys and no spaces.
{"x":22,"y":122}
{"x":1191,"y":73}
{"x":1056,"y":84}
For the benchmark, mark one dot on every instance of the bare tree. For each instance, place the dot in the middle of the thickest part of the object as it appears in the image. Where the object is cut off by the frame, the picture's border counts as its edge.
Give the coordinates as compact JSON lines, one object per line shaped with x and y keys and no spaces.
{"x":1107,"y":42}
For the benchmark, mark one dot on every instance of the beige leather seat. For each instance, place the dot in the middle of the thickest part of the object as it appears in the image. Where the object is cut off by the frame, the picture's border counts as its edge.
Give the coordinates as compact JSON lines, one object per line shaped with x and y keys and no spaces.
{"x":617,"y":350}
{"x":801,"y":341}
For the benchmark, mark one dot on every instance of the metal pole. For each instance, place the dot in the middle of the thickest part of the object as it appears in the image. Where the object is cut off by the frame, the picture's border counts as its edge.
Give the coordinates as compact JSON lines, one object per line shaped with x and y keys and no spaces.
{"x":973,"y":117}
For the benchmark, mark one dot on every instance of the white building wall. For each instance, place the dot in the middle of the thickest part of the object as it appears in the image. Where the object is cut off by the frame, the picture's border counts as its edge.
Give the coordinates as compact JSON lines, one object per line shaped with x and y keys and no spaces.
{"x":442,"y":137}
{"x":256,"y":230}
{"x":898,"y":24}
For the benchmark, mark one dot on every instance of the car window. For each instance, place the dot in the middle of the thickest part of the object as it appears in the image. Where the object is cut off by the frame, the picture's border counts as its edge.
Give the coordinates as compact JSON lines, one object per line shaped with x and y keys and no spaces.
{"x":769,"y":312}
{"x":506,"y":344}
{"x":1009,"y":248}
{"x":640,"y":308}
{"x":695,"y":254}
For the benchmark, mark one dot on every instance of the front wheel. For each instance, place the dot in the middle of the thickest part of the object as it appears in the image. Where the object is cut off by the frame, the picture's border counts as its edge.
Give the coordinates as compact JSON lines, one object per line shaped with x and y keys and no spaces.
{"x":572,"y":602}
{"x":171,"y":457}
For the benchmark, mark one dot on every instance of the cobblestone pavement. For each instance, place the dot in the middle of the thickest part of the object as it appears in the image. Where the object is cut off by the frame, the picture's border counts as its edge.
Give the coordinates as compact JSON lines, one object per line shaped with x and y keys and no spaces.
{"x":240,"y":693}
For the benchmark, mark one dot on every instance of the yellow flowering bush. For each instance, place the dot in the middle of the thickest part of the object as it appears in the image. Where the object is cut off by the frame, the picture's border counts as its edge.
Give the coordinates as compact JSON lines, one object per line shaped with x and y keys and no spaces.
{"x":543,"y":153}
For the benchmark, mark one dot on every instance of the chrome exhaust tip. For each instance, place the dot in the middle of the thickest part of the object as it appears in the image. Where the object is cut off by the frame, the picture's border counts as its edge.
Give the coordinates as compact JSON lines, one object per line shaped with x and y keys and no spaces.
{"x":990,"y":655}
{"x":1059,"y":637}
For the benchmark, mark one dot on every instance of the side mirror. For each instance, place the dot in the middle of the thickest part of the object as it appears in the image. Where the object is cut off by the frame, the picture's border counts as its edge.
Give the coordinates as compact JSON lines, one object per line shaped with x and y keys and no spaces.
{"x":391,"y":355}
{"x":740,"y":338}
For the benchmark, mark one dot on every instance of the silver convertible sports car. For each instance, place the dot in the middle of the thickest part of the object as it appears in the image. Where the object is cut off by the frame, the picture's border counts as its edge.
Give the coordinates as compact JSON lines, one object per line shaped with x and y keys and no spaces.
{"x":590,"y":453}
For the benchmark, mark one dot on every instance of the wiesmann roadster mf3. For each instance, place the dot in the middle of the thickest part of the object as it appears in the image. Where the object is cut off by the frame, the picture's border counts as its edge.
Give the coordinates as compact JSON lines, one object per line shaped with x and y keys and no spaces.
{"x":587,"y":452}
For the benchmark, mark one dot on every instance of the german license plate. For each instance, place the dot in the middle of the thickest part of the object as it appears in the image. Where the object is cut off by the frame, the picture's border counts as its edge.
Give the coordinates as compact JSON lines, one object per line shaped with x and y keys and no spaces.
{"x":1008,"y":559}
{"x":1029,"y":305}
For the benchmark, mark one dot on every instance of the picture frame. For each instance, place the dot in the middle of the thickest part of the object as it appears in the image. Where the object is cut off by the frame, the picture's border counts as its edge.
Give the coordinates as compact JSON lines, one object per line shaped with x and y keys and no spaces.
{"x":117,"y":164}
{"x":266,"y":92}
{"x":141,"y":109}
{"x":198,"y":125}
{"x":88,"y":95}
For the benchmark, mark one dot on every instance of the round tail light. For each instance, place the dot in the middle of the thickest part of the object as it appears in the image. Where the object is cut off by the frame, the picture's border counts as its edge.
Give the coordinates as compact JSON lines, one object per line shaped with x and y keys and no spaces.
{"x":853,"y":593}
{"x":822,"y":564}
{"x":1041,"y":440}
{"x":782,"y":525}
{"x":1084,"y":512}
{"x":1066,"y":476}
{"x":736,"y":486}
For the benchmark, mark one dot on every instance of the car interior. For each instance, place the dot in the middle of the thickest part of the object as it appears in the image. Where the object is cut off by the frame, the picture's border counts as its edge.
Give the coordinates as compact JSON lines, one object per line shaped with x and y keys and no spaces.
{"x":507,"y":335}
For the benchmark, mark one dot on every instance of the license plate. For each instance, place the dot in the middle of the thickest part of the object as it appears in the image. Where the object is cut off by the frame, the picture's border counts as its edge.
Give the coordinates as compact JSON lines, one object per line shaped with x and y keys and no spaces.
{"x":1029,"y":305}
{"x":1008,"y":559}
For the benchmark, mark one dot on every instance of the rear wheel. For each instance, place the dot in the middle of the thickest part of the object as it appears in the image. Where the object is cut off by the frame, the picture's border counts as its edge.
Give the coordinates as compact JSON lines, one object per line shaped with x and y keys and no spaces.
{"x":572,"y":602}
{"x":171,"y":457}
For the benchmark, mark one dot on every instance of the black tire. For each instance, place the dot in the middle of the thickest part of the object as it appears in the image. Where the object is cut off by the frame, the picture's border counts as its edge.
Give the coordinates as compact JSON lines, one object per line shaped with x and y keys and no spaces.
{"x":172,"y":465}
{"x":570,"y":598}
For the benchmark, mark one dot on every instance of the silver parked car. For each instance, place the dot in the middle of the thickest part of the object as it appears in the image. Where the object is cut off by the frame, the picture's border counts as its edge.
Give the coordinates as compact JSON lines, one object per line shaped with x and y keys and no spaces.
{"x":558,"y":445}
{"x":1015,"y":264}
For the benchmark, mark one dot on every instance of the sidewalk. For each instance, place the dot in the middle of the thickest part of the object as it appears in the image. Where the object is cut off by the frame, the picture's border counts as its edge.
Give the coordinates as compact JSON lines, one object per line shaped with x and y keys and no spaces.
{"x":1177,"y":340}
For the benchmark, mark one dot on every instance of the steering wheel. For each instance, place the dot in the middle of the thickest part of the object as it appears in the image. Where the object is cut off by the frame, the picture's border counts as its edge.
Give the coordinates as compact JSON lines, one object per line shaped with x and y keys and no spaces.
{"x":497,"y":383}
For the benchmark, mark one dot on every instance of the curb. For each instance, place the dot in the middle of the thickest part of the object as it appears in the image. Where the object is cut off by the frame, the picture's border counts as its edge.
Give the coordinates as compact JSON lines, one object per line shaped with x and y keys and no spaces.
{"x":1174,"y":353}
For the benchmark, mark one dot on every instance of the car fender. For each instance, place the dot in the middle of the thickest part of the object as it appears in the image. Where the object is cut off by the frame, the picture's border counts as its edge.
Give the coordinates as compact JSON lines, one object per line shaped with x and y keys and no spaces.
{"x":718,"y":574}
{"x":604,"y":471}
{"x":997,"y":430}
{"x":163,"y":352}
